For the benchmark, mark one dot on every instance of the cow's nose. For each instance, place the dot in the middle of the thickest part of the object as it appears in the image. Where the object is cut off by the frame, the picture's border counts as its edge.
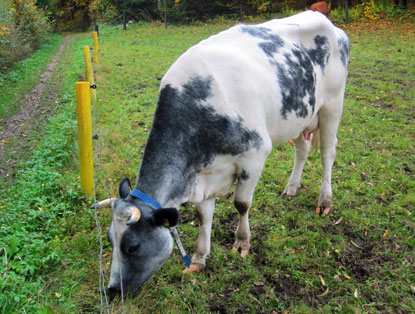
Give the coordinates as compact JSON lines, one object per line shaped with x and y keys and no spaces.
{"x":113,"y":291}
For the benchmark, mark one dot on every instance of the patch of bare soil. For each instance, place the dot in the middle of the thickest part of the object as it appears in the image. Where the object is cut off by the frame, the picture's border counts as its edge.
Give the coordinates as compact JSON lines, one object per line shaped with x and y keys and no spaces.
{"x":18,"y":131}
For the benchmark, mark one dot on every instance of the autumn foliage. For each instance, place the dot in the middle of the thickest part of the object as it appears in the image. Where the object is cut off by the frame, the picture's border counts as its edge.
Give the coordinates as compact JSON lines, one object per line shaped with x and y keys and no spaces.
{"x":23,"y":27}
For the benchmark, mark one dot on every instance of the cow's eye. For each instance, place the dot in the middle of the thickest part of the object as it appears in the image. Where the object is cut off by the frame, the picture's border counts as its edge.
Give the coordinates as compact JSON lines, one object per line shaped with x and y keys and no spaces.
{"x":133,"y":248}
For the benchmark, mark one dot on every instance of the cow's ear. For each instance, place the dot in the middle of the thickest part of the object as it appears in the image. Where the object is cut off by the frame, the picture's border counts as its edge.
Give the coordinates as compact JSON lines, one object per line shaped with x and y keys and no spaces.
{"x":167,"y":217}
{"x":125,"y":188}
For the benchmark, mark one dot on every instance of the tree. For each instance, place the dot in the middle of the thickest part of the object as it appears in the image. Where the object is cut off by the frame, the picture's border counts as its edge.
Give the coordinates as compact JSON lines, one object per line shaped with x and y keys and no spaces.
{"x":137,"y":9}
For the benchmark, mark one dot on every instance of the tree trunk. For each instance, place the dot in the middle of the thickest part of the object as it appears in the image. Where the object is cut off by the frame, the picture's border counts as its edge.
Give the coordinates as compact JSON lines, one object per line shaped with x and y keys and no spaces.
{"x":124,"y":20}
{"x":241,"y":12}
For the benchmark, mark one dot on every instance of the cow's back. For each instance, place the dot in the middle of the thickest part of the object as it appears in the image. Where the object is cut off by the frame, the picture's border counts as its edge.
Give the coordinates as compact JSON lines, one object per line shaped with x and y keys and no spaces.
{"x":249,"y":70}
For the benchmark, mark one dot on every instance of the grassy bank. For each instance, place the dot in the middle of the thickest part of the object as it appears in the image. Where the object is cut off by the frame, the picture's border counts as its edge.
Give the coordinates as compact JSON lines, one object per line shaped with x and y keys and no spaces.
{"x":357,"y":260}
{"x":38,"y":206}
{"x":24,"y":76}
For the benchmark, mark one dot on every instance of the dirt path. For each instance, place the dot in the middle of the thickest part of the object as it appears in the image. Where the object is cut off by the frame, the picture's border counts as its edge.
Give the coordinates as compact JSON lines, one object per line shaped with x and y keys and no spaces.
{"x":15,"y":130}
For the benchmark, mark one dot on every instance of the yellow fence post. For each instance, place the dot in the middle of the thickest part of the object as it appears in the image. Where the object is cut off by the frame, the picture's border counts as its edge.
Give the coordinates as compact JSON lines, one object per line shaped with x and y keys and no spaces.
{"x":89,"y":71}
{"x":83,"y":112}
{"x":88,"y":65}
{"x":95,"y":35}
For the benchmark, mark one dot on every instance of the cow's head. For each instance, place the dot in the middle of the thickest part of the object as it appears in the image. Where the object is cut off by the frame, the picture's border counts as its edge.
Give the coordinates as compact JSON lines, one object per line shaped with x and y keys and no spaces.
{"x":140,"y":240}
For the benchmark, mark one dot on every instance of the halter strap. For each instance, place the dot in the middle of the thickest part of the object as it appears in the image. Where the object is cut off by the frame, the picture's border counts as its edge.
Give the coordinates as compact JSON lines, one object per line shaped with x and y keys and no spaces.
{"x":144,"y":197}
{"x":173,"y":230}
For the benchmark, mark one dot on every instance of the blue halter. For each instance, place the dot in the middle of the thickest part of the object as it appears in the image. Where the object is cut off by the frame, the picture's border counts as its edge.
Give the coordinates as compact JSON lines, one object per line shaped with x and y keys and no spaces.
{"x":144,"y":197}
{"x":173,"y":230}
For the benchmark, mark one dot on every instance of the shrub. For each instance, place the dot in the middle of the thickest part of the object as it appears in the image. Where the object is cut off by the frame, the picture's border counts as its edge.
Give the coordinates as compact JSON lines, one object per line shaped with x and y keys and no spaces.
{"x":23,"y":28}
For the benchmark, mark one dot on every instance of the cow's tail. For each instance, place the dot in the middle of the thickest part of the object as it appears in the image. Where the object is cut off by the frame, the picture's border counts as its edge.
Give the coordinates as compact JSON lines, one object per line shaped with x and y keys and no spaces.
{"x":315,"y":141}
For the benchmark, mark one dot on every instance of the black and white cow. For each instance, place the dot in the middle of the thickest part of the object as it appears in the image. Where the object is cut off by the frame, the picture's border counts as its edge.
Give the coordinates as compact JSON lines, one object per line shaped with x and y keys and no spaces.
{"x":222,"y":106}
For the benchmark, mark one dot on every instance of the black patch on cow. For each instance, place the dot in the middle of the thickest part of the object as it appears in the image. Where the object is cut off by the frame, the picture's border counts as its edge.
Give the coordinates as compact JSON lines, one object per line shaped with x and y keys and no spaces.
{"x":272,"y":42}
{"x":244,"y":175}
{"x":320,"y":55}
{"x":297,"y":83}
{"x":186,"y":136}
{"x":344,"y":47}
{"x":295,"y":76}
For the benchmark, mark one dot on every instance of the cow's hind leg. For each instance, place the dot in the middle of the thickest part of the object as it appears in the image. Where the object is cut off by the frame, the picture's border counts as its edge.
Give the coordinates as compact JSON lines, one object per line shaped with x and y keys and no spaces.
{"x":204,"y":212}
{"x":302,"y":148}
{"x":329,"y":119}
{"x":249,"y":172}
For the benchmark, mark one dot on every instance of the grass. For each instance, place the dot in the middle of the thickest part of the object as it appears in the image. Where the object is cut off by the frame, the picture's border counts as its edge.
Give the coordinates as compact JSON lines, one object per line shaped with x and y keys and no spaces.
{"x":40,"y":202}
{"x":24,"y":76}
{"x":357,"y":260}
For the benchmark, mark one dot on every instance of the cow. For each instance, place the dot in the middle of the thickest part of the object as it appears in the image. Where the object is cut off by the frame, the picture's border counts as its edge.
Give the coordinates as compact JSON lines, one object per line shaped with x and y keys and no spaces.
{"x":322,"y":7}
{"x":222,"y":106}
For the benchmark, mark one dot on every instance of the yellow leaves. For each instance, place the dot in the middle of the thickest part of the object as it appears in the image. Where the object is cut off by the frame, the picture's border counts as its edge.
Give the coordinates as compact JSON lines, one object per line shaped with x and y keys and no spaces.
{"x":323,"y":283}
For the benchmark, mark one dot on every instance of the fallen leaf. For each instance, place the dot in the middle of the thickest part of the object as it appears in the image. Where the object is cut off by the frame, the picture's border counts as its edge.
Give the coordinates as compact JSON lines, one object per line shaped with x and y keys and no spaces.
{"x":322,"y":280}
{"x":193,"y":281}
{"x":255,"y":299}
{"x":259,"y":284}
{"x":339,"y":220}
{"x":355,"y":244}
{"x":58,"y":295}
{"x":324,"y":293}
{"x":356,"y":293}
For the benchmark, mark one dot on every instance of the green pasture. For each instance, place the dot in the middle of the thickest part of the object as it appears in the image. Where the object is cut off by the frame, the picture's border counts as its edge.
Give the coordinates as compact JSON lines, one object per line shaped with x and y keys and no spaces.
{"x":360,"y":259}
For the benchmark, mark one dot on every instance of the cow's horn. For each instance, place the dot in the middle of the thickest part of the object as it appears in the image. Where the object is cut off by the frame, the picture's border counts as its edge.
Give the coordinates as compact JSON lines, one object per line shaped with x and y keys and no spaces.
{"x":135,"y":216}
{"x":103,"y":204}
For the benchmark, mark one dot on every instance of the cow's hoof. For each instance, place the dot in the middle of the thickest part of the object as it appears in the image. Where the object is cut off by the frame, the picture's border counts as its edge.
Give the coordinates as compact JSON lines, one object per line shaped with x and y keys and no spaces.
{"x":244,"y":252}
{"x":194,"y":268}
{"x":287,"y":195}
{"x":326,"y":211}
{"x":291,"y":190}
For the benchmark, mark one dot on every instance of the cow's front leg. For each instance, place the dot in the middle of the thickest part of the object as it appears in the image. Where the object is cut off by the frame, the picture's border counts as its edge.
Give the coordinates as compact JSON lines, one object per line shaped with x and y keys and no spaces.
{"x":204,"y":212}
{"x":302,"y":148}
